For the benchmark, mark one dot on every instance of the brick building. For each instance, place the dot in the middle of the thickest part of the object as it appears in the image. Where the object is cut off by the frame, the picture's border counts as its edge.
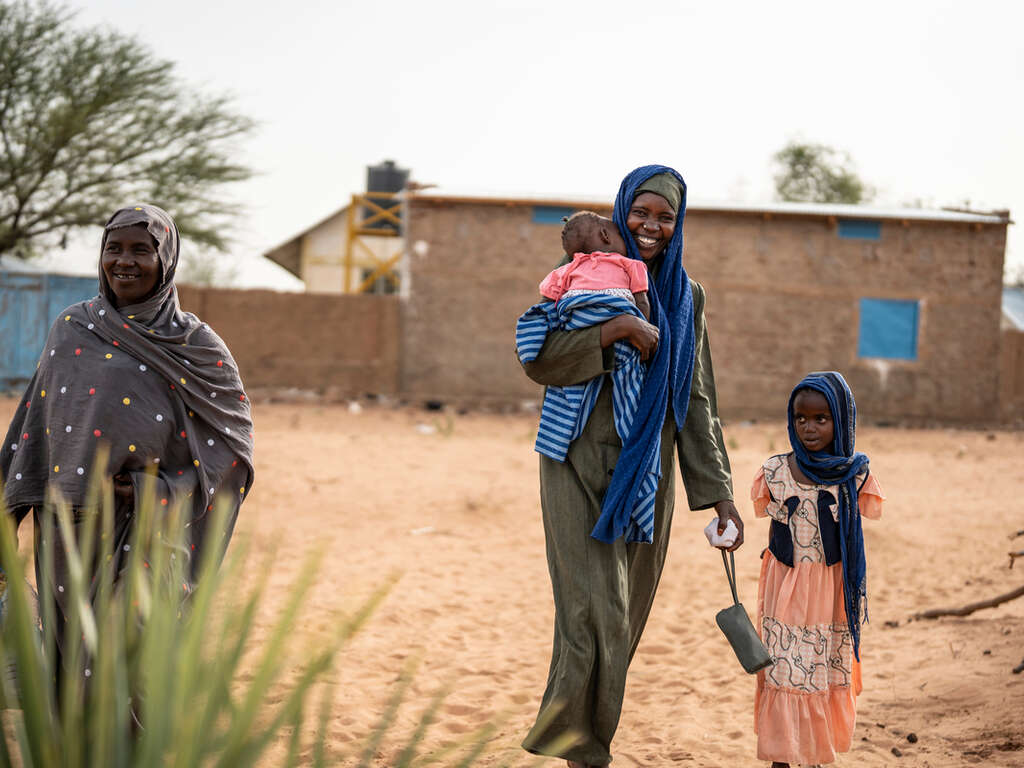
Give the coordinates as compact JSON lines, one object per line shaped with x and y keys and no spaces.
{"x":905,"y":302}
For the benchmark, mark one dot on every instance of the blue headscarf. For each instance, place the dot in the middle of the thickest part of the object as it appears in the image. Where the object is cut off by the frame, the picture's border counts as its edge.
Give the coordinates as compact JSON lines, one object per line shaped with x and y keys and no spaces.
{"x":669,"y":373}
{"x":839,"y":465}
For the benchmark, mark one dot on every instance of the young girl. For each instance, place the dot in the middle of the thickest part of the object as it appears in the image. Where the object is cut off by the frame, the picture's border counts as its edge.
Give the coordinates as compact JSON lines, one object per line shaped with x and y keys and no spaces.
{"x":812,"y":589}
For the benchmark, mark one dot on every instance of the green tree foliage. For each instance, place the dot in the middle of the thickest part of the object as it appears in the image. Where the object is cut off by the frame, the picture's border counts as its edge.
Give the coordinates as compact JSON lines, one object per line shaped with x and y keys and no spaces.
{"x":816,"y":173}
{"x":91,"y":120}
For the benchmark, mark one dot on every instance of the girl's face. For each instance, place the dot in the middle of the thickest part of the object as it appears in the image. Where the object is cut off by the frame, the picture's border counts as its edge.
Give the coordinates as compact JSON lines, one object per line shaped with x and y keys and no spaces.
{"x":812,"y":420}
{"x":652,"y":221}
{"x":130,"y":263}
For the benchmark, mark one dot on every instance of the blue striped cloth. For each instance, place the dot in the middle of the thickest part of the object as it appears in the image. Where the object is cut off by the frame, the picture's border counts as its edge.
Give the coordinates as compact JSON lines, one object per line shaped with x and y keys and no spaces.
{"x":565,"y":410}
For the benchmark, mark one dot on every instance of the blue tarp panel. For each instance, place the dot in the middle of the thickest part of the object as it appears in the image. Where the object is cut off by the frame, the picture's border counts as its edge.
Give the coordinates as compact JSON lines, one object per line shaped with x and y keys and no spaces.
{"x":29,"y":303}
{"x":888,"y":328}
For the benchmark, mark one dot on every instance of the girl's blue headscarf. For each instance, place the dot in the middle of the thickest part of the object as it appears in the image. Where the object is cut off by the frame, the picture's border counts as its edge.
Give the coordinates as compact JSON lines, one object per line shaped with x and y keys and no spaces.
{"x":840,"y":466}
{"x":669,"y":372}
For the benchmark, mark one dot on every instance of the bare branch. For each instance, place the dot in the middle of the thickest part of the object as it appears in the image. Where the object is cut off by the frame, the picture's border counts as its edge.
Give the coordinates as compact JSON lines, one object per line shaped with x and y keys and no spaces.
{"x":971,"y":607}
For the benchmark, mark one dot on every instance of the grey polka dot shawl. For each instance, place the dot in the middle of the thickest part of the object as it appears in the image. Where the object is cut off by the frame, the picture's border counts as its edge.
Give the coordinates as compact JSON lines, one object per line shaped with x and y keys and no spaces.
{"x":153,"y":384}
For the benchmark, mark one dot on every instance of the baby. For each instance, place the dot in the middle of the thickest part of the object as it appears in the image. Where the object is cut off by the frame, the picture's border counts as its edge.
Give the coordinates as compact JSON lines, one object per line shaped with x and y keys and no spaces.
{"x":598,"y":263}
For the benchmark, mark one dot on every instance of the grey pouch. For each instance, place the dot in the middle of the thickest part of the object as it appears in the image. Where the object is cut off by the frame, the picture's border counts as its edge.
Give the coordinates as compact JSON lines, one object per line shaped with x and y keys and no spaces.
{"x":734,"y":622}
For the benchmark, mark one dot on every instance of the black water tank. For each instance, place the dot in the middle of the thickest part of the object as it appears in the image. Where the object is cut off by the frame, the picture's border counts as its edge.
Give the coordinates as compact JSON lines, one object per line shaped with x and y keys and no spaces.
{"x":386,"y":177}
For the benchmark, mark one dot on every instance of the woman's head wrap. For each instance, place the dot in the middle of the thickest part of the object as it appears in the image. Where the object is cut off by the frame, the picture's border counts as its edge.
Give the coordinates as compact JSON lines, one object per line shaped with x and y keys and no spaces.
{"x":839,"y":465}
{"x":164,"y":232}
{"x":122,"y":376}
{"x":670,"y":371}
{"x":666,"y":185}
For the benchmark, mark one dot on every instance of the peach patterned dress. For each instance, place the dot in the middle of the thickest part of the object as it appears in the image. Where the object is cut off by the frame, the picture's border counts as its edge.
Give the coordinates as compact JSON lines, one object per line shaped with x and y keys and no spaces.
{"x":805,"y":705}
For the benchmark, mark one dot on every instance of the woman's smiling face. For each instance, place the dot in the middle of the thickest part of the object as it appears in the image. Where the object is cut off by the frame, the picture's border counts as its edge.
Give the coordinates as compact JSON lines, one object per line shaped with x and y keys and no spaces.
{"x":130,"y":263}
{"x":652,"y":221}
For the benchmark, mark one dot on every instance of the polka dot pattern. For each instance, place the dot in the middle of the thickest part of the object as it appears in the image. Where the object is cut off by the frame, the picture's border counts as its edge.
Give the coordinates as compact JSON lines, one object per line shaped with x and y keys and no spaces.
{"x":123,"y":397}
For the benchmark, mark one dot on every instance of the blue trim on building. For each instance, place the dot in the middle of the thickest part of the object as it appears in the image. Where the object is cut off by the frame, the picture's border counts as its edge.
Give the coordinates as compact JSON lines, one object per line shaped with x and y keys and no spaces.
{"x":860,"y":229}
{"x":550,"y":214}
{"x":888,"y":328}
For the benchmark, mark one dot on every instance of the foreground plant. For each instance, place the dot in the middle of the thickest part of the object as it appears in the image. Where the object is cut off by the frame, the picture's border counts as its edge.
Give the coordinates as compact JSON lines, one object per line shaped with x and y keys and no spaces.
{"x":148,"y":672}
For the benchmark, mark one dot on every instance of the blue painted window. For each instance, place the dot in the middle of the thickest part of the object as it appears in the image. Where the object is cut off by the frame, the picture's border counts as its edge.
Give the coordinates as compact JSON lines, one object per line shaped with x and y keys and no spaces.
{"x":550,"y":214}
{"x":888,"y":328}
{"x":860,"y":229}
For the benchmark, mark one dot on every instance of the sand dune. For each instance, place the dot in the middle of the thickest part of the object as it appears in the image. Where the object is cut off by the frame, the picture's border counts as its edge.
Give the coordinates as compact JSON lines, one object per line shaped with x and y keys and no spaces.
{"x":449,"y":505}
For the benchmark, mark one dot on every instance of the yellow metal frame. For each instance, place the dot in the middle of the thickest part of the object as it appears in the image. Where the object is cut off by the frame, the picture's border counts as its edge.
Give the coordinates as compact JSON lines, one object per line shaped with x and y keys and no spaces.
{"x":357,"y":252}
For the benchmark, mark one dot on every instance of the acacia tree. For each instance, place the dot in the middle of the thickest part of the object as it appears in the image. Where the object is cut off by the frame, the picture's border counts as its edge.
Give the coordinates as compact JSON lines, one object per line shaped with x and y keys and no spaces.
{"x":816,"y":173}
{"x":91,"y":120}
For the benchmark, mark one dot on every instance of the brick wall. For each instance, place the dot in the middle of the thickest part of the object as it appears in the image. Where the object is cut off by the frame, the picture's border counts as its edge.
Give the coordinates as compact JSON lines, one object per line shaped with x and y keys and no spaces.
{"x":783,"y":299}
{"x":347,"y":345}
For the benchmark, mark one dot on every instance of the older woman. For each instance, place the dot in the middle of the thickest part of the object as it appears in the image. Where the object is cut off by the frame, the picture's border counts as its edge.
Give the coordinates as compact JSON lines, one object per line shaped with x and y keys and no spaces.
{"x":153,"y":385}
{"x":604,"y":586}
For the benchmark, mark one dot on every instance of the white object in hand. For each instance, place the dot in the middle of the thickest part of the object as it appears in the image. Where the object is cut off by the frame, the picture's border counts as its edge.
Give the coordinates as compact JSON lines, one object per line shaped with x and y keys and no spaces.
{"x":728,"y":537}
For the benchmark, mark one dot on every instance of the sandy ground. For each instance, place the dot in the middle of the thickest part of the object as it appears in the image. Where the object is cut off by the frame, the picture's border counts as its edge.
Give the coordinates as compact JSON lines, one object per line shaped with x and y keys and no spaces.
{"x":448,"y":504}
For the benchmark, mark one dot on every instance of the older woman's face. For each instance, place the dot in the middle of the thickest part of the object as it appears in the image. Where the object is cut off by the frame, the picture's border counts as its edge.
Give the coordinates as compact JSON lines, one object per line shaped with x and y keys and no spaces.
{"x":130,"y":263}
{"x":652,"y":221}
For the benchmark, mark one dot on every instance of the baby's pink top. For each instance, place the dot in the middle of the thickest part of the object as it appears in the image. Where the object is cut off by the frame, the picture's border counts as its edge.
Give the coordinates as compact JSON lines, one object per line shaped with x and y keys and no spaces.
{"x":595,"y":271}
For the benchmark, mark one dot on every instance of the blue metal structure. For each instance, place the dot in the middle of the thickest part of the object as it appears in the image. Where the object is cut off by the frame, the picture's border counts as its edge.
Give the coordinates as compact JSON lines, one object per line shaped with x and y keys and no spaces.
{"x":29,"y":303}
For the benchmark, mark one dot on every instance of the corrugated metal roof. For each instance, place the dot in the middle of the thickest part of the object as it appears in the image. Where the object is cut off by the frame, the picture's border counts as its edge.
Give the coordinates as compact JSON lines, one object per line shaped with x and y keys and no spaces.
{"x":782,"y":209}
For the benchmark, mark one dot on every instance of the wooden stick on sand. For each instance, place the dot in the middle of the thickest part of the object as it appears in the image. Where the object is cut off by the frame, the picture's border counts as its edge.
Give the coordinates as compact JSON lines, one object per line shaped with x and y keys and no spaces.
{"x":971,"y":607}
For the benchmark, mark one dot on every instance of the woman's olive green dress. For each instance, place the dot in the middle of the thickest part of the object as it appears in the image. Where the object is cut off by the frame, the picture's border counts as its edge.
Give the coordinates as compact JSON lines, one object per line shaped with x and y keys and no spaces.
{"x":603,"y":592}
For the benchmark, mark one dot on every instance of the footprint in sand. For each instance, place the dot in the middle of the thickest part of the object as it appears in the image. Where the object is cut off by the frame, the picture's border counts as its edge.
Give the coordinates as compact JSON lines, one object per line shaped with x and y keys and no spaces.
{"x":459,"y":709}
{"x":679,"y":756}
{"x":657,"y":649}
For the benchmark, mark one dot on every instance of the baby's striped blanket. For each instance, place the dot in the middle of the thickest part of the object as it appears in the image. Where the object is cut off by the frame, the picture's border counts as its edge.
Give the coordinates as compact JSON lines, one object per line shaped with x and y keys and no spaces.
{"x":565,"y":410}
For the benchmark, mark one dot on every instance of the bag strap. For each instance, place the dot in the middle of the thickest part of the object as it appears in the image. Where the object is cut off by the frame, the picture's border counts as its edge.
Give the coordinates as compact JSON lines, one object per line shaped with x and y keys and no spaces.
{"x":731,"y":574}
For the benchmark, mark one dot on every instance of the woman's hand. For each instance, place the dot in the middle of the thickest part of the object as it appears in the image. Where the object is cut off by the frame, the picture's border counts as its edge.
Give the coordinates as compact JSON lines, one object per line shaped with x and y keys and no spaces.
{"x":637,"y":332}
{"x":123,"y":488}
{"x":727,"y":511}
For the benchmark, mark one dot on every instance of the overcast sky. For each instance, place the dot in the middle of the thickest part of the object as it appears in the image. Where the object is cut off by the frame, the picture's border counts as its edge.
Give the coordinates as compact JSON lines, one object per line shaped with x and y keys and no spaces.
{"x":566,"y":97}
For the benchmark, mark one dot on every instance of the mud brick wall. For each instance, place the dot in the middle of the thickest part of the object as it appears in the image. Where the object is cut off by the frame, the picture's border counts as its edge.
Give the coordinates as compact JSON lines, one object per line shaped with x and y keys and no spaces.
{"x":347,"y":345}
{"x":783,"y":299}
